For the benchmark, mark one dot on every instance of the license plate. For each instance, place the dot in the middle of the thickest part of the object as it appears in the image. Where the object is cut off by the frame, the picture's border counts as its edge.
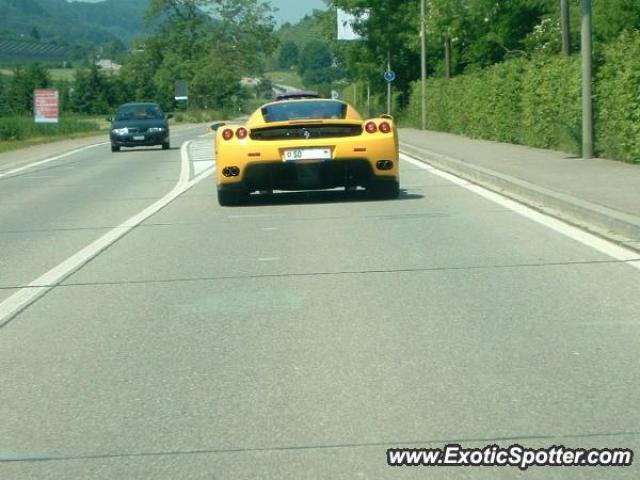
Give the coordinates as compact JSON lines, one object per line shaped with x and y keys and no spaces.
{"x":138,"y":137}
{"x":298,"y":154}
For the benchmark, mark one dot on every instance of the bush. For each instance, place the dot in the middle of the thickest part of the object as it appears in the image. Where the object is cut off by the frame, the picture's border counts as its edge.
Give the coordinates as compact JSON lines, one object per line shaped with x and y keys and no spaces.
{"x":537,"y":102}
{"x":618,"y":100}
{"x":534,"y":102}
{"x":23,"y":127}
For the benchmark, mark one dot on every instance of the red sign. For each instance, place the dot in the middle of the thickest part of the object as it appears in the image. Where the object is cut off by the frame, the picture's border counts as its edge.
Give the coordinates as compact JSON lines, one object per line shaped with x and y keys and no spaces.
{"x":46,"y":105}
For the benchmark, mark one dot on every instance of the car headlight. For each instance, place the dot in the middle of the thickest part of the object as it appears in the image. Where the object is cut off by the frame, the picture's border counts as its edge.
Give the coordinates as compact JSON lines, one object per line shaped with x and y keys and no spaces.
{"x":157,"y":129}
{"x":120,"y":131}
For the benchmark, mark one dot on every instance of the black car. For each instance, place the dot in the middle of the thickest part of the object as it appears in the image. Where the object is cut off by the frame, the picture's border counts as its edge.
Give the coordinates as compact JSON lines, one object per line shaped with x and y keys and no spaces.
{"x":139,"y":125}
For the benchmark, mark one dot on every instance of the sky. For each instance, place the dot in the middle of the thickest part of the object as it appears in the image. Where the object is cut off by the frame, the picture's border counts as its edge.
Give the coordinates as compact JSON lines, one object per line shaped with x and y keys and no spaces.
{"x":294,"y":10}
{"x":288,"y":10}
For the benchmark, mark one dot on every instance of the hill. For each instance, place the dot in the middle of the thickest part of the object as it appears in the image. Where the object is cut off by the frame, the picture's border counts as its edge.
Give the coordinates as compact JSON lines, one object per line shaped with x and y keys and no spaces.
{"x":76,"y":22}
{"x":307,"y":29}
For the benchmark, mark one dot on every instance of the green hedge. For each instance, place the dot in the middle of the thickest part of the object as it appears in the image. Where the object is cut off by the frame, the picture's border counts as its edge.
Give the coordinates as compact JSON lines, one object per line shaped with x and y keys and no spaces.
{"x":618,"y":100}
{"x":532,"y":102}
{"x":537,"y":102}
{"x":23,"y":127}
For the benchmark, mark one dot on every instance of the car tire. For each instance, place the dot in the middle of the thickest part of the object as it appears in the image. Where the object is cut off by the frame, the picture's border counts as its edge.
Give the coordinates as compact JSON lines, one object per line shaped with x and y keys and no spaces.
{"x":230,"y":198}
{"x":115,"y":148}
{"x":386,"y":190}
{"x":166,"y":146}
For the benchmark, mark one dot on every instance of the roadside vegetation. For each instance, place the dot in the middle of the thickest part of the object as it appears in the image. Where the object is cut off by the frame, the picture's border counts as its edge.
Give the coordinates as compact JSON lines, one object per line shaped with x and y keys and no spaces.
{"x":496,"y":70}
{"x":20,"y":131}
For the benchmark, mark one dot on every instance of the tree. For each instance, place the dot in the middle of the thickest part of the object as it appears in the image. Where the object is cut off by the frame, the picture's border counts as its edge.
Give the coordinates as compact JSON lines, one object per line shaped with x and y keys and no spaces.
{"x":315,"y":55}
{"x":612,"y":17}
{"x":92,"y":92}
{"x":243,"y":34}
{"x":288,"y":56}
{"x":5,"y":108}
{"x":265,"y":89}
{"x":209,"y":43}
{"x":22,"y":85}
{"x":392,"y":27}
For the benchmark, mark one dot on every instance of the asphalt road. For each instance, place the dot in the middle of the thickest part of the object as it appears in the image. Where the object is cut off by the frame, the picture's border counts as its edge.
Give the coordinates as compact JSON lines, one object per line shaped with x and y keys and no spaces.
{"x":300,"y":336}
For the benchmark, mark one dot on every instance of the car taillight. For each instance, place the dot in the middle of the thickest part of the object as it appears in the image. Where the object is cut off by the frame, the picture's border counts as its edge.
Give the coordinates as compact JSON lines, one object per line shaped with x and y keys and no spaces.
{"x":371,"y":127}
{"x":227,"y":134}
{"x":385,"y":127}
{"x":241,"y":133}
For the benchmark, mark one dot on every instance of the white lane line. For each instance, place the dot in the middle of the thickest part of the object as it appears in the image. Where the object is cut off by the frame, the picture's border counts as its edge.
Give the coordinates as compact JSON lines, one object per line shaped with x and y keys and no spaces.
{"x":29,"y":294}
{"x":269,"y":229}
{"x":51,"y":159}
{"x":269,"y":259}
{"x":603,"y":246}
{"x":184,"y":166}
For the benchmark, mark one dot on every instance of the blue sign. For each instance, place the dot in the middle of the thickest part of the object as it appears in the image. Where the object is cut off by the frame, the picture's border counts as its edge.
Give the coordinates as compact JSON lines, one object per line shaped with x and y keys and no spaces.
{"x":389,"y":76}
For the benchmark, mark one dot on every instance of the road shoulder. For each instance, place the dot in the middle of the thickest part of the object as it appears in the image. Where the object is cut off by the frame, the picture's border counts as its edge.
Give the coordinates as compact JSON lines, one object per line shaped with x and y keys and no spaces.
{"x":528,"y":187}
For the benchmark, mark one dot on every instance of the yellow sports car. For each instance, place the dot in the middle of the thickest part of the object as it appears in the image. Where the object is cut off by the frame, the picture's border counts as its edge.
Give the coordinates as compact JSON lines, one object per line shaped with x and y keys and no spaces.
{"x":306,"y":144}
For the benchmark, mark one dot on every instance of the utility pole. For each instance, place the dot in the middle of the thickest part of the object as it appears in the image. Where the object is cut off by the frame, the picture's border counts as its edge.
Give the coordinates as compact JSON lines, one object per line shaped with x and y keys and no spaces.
{"x":566,"y":28}
{"x":423,"y":62}
{"x":447,"y":56}
{"x":389,"y":84}
{"x":587,"y":80}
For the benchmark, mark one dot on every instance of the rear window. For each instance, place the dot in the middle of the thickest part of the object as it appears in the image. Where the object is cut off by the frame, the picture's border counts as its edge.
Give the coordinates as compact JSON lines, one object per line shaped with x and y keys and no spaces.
{"x":301,"y":110}
{"x":139,"y":112}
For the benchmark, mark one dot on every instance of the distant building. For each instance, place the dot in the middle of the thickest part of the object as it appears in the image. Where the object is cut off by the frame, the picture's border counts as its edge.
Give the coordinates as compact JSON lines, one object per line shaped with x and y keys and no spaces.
{"x":108,"y":66}
{"x":249,"y":82}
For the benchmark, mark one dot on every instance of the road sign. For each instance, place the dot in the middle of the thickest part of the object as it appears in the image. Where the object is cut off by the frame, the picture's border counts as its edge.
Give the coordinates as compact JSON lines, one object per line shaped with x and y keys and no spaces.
{"x":182,"y":90}
{"x":389,"y":76}
{"x":335,"y":95}
{"x":46,"y":105}
{"x":347,"y":23}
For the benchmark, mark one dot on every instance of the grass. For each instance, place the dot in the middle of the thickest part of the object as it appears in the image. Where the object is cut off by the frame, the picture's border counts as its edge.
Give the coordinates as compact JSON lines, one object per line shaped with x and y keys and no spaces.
{"x":21,"y":131}
{"x":285,"y":77}
{"x":58,"y":74}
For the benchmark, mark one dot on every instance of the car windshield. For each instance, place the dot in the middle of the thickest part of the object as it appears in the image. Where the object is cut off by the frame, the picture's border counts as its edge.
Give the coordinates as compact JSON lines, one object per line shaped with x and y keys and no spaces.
{"x":301,"y":110}
{"x":139,"y":112}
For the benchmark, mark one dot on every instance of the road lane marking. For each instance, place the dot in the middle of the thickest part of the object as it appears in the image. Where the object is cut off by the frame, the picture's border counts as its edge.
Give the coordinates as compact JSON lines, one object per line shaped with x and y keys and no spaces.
{"x":269,"y":259}
{"x":601,"y":245}
{"x":24,"y":297}
{"x":51,"y":159}
{"x":202,"y":156}
{"x":269,"y":229}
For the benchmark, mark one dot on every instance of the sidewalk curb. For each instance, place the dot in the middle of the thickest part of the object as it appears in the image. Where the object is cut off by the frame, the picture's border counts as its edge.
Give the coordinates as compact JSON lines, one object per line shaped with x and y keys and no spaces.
{"x":611,"y":224}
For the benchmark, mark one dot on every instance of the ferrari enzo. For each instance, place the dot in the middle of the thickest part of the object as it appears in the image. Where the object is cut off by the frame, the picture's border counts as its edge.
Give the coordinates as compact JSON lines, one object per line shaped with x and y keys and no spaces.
{"x":306,"y":144}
